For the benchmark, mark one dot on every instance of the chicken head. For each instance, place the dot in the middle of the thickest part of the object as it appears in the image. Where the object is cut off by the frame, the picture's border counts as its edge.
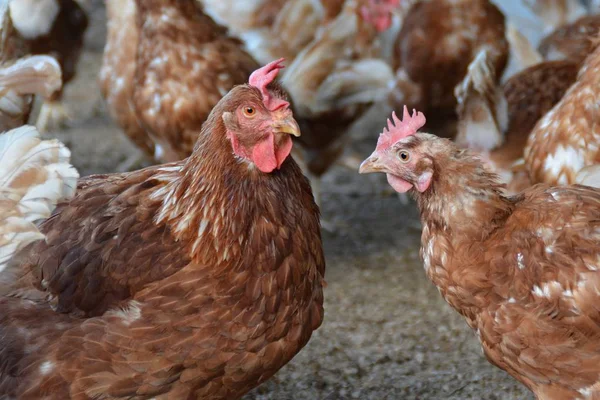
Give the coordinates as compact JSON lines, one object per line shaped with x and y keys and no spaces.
{"x":260,"y":122}
{"x":399,"y":155}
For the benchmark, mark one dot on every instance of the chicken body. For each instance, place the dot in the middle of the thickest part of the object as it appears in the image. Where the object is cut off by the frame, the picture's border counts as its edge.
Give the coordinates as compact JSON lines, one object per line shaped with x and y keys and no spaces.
{"x":185,"y":64}
{"x":436,"y":43}
{"x":566,"y":139}
{"x":523,"y":276}
{"x":117,"y":75}
{"x":522,"y":270}
{"x":195,"y":279}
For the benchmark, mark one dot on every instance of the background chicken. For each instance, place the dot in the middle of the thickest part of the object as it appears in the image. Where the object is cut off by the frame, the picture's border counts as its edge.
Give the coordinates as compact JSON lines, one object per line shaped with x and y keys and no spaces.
{"x":244,"y":17}
{"x":573,"y":41}
{"x":284,"y":28}
{"x":195,"y":279}
{"x":21,"y":75}
{"x":556,"y":13}
{"x":185,"y":63}
{"x":332,"y":82}
{"x":436,"y":43}
{"x":522,"y":270}
{"x":55,"y":28}
{"x":117,"y":75}
{"x":496,"y":121}
{"x":566,"y":139}
{"x":35,"y":175}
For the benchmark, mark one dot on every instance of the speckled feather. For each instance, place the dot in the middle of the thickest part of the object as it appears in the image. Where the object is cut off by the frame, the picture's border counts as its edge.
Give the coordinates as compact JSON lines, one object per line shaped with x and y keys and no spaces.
{"x":200,"y":279}
{"x":566,"y":139}
{"x":522,"y":270}
{"x":530,"y":94}
{"x":185,"y":64}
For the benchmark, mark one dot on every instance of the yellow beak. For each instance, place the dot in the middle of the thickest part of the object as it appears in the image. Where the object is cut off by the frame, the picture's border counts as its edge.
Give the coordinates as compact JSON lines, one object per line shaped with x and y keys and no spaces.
{"x":287,"y":125}
{"x":371,"y":165}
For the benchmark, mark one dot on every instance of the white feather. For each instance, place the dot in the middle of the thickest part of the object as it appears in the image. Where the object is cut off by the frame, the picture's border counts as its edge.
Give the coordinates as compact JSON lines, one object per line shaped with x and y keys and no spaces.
{"x":33,"y":18}
{"x":35,"y":175}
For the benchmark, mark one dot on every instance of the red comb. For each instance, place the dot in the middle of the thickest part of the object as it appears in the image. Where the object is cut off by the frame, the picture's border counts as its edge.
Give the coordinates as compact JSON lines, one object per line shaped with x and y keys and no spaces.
{"x":397,"y":129}
{"x":261,"y":79}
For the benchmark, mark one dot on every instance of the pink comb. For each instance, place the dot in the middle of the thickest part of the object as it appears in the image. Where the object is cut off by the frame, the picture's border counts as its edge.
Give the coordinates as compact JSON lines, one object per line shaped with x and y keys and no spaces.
{"x":397,"y":129}
{"x":261,"y":79}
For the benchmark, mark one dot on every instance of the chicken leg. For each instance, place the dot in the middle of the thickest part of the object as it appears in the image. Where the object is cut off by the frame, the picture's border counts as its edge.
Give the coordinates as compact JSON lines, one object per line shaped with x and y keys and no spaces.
{"x":53,"y":114}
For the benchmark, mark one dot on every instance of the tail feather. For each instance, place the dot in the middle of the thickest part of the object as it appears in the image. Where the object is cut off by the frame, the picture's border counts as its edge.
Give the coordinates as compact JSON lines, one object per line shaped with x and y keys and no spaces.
{"x":297,"y":22}
{"x":32,"y":75}
{"x":293,"y":28}
{"x":359,"y":82}
{"x":555,"y":13}
{"x":35,"y":175}
{"x":521,"y":48}
{"x":318,"y":59}
{"x":482,"y":108}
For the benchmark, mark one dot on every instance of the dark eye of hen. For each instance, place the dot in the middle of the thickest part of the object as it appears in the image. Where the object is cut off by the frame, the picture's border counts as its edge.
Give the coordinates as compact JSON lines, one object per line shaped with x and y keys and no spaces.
{"x":404,"y":156}
{"x":249,"y":111}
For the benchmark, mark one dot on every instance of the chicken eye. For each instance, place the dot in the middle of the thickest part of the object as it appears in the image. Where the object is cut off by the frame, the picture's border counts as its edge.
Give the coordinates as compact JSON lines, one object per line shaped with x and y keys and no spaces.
{"x":249,"y":112}
{"x":404,"y":156}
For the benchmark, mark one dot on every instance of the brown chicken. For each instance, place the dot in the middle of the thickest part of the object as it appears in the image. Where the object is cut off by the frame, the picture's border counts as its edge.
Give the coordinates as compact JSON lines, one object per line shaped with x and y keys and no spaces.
{"x":185,"y":63}
{"x":333,"y":82}
{"x":437,"y":41}
{"x":522,"y":270}
{"x":35,"y":175}
{"x":117,"y":74}
{"x":566,"y":139}
{"x":496,"y":121}
{"x":573,"y":42}
{"x":55,"y":28}
{"x":21,"y":76}
{"x":196,"y":279}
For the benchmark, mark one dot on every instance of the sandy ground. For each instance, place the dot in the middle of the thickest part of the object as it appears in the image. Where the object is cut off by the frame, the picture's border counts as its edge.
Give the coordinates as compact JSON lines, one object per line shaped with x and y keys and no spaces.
{"x":387,"y":333}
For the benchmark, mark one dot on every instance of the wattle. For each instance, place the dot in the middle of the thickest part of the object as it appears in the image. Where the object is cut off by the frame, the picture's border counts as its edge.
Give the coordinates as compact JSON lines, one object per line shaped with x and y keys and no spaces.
{"x":399,"y":184}
{"x":268,"y":157}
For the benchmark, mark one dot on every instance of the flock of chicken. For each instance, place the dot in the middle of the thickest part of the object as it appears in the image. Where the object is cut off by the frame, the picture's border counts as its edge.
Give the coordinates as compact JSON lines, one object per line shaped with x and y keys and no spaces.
{"x":203,"y":276}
